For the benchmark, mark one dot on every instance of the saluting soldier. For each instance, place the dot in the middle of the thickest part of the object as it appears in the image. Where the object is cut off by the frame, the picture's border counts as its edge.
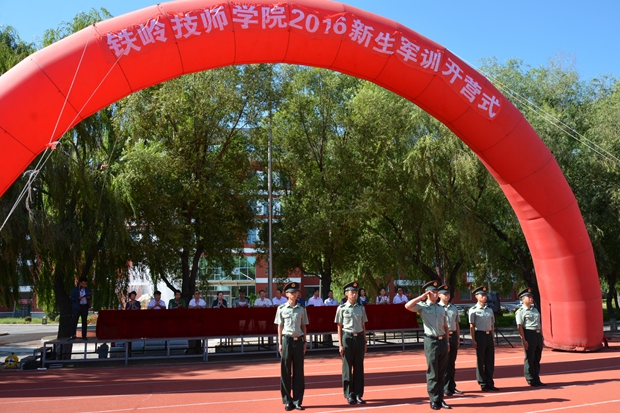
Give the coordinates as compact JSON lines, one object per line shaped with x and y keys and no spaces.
{"x":292,"y":320}
{"x":452,"y":315}
{"x":435,"y":341}
{"x":528,"y":323}
{"x":482,"y":330}
{"x":351,"y":319}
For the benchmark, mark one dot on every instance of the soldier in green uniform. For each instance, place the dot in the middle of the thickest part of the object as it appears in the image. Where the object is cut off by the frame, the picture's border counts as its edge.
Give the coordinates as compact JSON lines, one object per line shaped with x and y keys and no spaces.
{"x":528,"y":323}
{"x":292,"y":320}
{"x":452,"y":314}
{"x":435,"y":341}
{"x":482,"y":330}
{"x":351,"y":319}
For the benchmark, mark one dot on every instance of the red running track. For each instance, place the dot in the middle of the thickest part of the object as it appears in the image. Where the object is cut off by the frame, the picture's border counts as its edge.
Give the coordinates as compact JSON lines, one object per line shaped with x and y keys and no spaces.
{"x":395,"y":383}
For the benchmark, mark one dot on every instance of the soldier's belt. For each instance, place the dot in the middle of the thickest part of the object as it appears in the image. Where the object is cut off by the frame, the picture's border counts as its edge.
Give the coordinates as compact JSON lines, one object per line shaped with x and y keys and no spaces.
{"x":531,"y":329}
{"x":483,"y":331}
{"x":434,"y":337}
{"x":353,"y":334}
{"x":294,"y":338}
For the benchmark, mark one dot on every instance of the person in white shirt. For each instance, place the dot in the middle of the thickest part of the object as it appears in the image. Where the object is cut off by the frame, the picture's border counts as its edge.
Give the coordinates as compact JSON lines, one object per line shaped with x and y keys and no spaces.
{"x":400,"y":298}
{"x":383,"y":298}
{"x":263,"y":301}
{"x":330,"y":300}
{"x":315,"y":300}
{"x":197,"y":302}
{"x":157,"y":303}
{"x":279,"y":299}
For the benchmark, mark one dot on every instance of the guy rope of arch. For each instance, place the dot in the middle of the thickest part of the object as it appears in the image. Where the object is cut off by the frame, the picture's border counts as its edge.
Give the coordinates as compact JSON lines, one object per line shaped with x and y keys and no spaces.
{"x":55,"y":88}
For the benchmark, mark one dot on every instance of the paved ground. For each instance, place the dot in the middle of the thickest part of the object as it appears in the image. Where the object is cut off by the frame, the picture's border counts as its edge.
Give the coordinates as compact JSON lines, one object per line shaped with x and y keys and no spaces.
{"x":395,"y":383}
{"x":23,"y":339}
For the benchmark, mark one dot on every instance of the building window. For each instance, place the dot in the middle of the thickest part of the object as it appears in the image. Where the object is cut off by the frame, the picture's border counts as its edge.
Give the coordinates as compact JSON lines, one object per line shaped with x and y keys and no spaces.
{"x":465,"y":294}
{"x":245,"y":270}
{"x":252,"y":236}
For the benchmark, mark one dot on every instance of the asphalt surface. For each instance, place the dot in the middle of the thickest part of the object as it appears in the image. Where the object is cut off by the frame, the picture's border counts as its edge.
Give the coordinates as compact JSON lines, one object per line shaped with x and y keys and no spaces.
{"x":23,"y":339}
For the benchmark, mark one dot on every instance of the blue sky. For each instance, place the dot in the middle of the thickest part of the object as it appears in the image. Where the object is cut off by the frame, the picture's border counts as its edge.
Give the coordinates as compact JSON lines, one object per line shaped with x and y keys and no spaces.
{"x":584,"y":33}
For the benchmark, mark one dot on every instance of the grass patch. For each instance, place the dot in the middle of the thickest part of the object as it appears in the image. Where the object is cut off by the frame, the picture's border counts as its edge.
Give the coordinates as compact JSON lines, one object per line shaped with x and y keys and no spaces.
{"x":11,"y":320}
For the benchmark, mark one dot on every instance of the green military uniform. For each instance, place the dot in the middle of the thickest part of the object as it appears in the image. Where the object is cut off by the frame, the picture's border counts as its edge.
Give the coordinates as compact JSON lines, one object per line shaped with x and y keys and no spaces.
{"x":292,"y":321}
{"x":351,"y":319}
{"x":529,"y":320}
{"x":483,"y":320}
{"x":452,"y":318}
{"x":435,"y":344}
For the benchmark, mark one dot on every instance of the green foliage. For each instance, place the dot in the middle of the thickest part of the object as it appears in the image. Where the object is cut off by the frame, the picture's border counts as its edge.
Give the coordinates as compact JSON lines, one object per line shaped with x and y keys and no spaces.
{"x":186,"y":171}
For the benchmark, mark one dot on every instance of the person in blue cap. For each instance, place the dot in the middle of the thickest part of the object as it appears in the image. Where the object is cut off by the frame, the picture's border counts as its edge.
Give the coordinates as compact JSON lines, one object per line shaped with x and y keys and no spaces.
{"x":292,"y":319}
{"x":351,"y":319}
{"x":435,"y":341}
{"x":530,"y":330}
{"x":482,"y":330}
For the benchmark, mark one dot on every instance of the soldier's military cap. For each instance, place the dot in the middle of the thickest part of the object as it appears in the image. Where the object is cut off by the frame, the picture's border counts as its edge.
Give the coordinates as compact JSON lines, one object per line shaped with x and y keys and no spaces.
{"x":481,"y":290}
{"x":444,"y":289}
{"x":291,"y":287}
{"x":352,"y":286}
{"x":527,"y":291}
{"x":431,"y":286}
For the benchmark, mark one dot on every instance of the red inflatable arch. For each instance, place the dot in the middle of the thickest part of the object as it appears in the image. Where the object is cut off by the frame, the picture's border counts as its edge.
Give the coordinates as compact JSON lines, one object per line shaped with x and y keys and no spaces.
{"x":57,"y":87}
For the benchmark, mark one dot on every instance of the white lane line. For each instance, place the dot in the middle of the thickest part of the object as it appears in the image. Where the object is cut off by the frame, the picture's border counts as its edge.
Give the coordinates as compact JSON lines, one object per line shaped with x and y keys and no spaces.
{"x":576,"y":406}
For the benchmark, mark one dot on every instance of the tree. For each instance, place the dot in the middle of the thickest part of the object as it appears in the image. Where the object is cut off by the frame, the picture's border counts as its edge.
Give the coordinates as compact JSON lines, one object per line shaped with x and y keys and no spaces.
{"x":318,"y":229}
{"x":187,"y":173}
{"x":76,"y":221}
{"x":414,"y":189}
{"x":15,"y":249}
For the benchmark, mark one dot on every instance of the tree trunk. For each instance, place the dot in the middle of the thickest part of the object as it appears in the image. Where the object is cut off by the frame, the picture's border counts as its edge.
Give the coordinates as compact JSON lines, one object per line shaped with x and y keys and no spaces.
{"x":65,"y":326}
{"x":326,"y":282}
{"x":611,"y":297}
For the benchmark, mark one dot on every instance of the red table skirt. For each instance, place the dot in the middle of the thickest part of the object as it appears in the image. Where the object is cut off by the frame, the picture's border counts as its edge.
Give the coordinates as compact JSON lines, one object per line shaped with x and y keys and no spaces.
{"x":218,"y":322}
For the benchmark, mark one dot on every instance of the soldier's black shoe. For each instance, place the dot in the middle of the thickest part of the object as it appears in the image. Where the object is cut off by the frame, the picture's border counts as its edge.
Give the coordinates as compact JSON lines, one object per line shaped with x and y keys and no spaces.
{"x":493,"y":388}
{"x":485,"y":389}
{"x":288,"y":407}
{"x":352,"y":400}
{"x":540,"y":383}
{"x":360,"y":400}
{"x":533,"y":384}
{"x":435,"y":406}
{"x":299,"y":407}
{"x":457,"y":392}
{"x":445,"y":405}
{"x":71,"y":338}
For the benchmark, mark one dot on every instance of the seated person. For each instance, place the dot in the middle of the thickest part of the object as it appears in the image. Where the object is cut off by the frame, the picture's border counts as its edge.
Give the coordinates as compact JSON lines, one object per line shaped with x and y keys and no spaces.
{"x":400,"y":297}
{"x":132,"y":304}
{"x":197,"y":302}
{"x":279,"y":299}
{"x":383,"y":298}
{"x":156,"y":303}
{"x":315,"y":300}
{"x":300,"y":300}
{"x":262,"y":301}
{"x":242,"y":301}
{"x":362,"y":298}
{"x":177,"y":301}
{"x":219,"y":302}
{"x":330,"y":300}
